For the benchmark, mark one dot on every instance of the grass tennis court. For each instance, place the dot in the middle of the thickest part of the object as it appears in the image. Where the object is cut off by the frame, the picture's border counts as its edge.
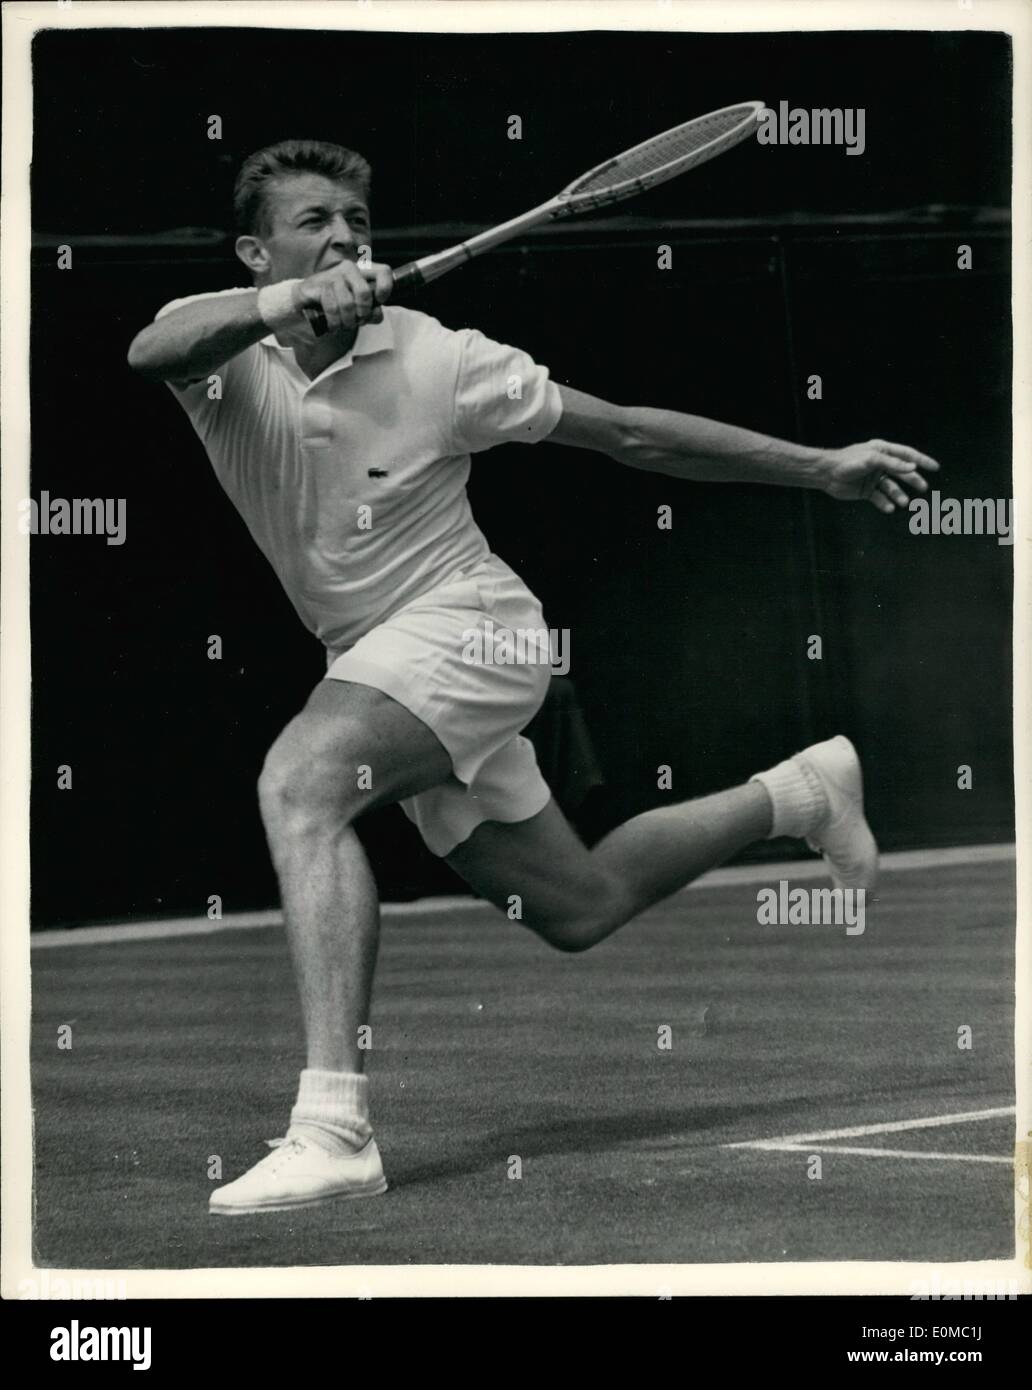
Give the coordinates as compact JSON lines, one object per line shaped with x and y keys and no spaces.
{"x":488,"y":1047}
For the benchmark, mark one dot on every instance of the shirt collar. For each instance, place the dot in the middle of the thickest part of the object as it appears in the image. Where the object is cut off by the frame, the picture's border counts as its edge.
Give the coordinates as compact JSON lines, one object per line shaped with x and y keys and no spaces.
{"x":372,"y":337}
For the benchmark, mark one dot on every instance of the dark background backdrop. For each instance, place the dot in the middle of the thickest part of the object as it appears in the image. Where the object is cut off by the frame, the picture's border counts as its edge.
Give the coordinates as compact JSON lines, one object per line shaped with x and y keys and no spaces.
{"x":689,"y":646}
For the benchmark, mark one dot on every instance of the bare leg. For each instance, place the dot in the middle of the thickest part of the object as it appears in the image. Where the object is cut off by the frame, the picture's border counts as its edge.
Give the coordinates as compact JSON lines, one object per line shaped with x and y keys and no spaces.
{"x":332,"y":917}
{"x":310,"y":795}
{"x":575,"y":897}
{"x":349,"y":749}
{"x":660,"y":851}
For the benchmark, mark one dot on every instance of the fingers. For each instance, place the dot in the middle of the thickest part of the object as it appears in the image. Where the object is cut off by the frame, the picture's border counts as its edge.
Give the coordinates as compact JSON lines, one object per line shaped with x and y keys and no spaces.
{"x":337,"y":309}
{"x":336,"y":306}
{"x":889,"y":488}
{"x":883,"y":473}
{"x":913,"y":458}
{"x":354,"y":283}
{"x":382,"y":278}
{"x":887,"y":493}
{"x":904,"y":474}
{"x":349,"y":294}
{"x":346,"y":297}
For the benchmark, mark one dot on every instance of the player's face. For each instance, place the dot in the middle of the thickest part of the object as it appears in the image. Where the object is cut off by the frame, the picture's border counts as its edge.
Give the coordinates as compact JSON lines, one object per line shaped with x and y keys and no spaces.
{"x":313,"y":223}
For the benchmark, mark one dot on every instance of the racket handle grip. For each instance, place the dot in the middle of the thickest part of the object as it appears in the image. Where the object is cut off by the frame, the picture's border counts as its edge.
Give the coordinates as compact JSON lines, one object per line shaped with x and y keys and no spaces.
{"x":406,"y":277}
{"x":316,"y":321}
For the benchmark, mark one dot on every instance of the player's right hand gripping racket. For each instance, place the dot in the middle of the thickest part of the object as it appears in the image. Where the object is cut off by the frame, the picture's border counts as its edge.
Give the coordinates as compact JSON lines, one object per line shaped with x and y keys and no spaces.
{"x":646,"y":165}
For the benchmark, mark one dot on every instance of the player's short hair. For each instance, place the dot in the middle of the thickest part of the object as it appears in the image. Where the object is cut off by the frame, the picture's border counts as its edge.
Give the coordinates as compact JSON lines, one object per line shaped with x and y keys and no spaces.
{"x":291,"y":157}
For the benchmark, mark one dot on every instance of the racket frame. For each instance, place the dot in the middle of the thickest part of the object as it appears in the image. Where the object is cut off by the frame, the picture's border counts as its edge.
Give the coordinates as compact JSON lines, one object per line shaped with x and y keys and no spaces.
{"x":569,"y":203}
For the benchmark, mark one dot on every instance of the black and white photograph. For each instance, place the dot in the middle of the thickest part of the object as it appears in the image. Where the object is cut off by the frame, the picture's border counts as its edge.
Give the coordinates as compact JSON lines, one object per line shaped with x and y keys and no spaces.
{"x":509,"y":542}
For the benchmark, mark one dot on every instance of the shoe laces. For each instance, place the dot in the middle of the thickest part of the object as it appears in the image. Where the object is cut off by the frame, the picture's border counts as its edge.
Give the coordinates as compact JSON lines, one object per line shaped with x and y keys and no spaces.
{"x":287,"y":1149}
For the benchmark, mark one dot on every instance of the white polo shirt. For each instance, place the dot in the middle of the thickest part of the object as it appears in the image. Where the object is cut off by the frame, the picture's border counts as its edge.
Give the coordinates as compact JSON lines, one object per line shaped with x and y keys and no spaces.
{"x":354,"y":485}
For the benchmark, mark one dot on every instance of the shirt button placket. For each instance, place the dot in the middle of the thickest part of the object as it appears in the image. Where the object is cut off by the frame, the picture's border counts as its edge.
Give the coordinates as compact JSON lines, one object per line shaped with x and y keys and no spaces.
{"x":316,"y":424}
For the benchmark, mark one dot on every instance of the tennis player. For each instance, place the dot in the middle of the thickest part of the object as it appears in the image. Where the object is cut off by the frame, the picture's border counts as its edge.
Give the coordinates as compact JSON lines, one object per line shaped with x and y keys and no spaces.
{"x":347,"y":456}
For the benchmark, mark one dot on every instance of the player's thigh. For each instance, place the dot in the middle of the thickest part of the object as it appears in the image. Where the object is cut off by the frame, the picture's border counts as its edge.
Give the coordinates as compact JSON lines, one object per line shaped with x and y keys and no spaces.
{"x":353,"y":738}
{"x":543,"y":861}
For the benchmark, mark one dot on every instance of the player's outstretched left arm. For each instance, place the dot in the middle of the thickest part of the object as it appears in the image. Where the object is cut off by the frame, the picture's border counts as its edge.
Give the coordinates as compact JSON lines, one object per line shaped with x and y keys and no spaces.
{"x":690,"y":446}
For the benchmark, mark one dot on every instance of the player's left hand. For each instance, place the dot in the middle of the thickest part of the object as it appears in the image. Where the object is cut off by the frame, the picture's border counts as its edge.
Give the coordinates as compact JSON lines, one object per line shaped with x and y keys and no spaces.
{"x":878,"y":472}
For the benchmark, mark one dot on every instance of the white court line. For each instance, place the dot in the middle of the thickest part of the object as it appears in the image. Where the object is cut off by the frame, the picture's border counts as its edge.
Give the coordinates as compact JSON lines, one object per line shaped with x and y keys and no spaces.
{"x":890,"y":863}
{"x":961,"y":1117}
{"x":875,"y":1153}
{"x":808,"y":1143}
{"x":453,"y":906}
{"x":155,"y":931}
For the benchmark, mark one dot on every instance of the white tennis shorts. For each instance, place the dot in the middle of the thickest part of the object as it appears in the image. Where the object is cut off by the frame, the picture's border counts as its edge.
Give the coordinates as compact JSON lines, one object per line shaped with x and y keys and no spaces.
{"x":427,"y":657}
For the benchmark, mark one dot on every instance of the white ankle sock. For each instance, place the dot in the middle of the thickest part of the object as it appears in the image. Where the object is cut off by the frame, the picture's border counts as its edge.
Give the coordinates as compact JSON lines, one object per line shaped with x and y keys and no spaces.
{"x":796,"y":795}
{"x":332,"y":1108}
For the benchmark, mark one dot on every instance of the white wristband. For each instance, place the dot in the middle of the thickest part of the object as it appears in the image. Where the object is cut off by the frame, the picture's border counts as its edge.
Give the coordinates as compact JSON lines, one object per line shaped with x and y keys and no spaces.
{"x":277,"y":307}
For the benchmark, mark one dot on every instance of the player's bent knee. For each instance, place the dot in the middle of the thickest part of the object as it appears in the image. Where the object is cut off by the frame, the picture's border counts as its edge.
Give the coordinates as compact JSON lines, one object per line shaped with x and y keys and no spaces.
{"x":574,"y":933}
{"x":303,"y":789}
{"x":570,"y":940}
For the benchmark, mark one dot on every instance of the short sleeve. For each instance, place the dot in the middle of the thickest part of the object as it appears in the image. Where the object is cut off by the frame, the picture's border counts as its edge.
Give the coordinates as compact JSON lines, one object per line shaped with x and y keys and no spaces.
{"x":502,"y":395}
{"x":202,"y":399}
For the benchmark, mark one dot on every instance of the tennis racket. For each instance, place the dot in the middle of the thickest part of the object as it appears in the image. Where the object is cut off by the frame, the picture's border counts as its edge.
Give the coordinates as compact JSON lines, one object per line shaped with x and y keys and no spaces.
{"x":645,"y":166}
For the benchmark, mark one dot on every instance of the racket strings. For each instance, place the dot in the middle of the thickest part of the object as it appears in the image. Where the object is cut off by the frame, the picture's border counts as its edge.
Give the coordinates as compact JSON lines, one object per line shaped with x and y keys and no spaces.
{"x":673,"y":147}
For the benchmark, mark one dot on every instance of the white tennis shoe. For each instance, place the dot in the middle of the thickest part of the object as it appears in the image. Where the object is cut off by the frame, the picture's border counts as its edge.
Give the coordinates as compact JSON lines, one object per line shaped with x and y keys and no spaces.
{"x":842,"y":835}
{"x":300,"y":1173}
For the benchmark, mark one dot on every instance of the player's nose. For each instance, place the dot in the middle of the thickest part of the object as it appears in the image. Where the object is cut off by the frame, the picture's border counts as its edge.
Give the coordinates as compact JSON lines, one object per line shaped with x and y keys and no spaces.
{"x":342,"y":236}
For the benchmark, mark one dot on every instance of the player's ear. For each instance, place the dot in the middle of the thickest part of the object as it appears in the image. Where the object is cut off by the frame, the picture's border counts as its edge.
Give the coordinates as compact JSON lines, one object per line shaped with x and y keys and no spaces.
{"x":253,"y":254}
